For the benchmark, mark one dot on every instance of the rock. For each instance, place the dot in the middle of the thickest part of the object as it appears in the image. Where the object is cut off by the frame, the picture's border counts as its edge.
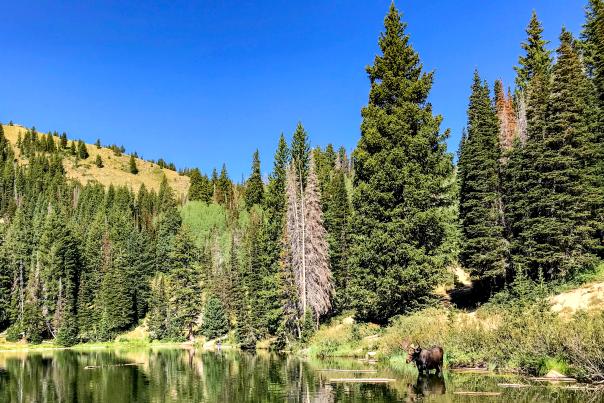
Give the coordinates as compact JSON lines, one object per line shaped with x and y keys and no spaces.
{"x":554,"y":374}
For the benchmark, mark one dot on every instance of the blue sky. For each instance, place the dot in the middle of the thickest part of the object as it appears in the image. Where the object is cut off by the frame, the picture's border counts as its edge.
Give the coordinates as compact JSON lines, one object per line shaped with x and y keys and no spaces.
{"x":207,"y":82}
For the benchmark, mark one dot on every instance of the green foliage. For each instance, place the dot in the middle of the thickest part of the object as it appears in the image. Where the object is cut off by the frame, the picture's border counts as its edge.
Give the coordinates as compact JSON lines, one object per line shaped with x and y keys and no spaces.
{"x":404,"y":186}
{"x":185,"y":283}
{"x":82,"y":150}
{"x":300,"y":152}
{"x":254,"y":188}
{"x":537,"y":60}
{"x":200,"y":188}
{"x":98,"y":161}
{"x":215,"y":323}
{"x":550,"y":209}
{"x":13,"y":333}
{"x":308,"y":326}
{"x":132,"y":165}
{"x":483,"y":246}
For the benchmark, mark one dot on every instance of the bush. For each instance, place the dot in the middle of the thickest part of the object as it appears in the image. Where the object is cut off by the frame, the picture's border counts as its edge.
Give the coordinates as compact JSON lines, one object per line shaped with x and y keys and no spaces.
{"x":13,"y":333}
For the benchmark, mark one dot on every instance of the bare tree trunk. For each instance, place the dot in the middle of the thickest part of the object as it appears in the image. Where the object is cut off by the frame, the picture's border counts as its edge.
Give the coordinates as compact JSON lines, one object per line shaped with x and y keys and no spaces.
{"x":303,"y":227}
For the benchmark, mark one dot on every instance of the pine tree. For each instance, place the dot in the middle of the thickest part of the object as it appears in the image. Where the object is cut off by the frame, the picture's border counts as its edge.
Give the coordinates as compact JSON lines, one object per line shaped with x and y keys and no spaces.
{"x":98,"y":161}
{"x":254,"y":188}
{"x":484,"y":250}
{"x":159,"y":311}
{"x":82,"y":150}
{"x":215,"y":323}
{"x":554,"y":234}
{"x":270,"y":238}
{"x":592,"y":45}
{"x":404,"y":186}
{"x":33,"y":327}
{"x":337,"y":216}
{"x":537,"y":60}
{"x":63,"y":141}
{"x":168,"y":224}
{"x":223,"y":194}
{"x":200,"y":188}
{"x":132,"y":164}
{"x":300,"y":153}
{"x":185,"y":283}
{"x":97,"y":143}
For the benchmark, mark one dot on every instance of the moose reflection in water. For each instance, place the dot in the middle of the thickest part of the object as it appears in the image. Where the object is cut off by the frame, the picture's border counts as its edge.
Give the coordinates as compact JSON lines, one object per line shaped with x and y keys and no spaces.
{"x":429,"y":384}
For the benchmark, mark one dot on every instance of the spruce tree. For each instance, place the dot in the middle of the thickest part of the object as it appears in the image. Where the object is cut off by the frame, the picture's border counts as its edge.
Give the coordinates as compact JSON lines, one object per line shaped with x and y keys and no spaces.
{"x":215,"y":323}
{"x":254,"y":188}
{"x":300,"y":153}
{"x":484,"y":250}
{"x":159,"y":319}
{"x":270,"y":237}
{"x":337,"y":216}
{"x":98,"y":161}
{"x":403,"y":186}
{"x":592,"y":46}
{"x":185,"y":283}
{"x":224,"y":189}
{"x":63,"y":141}
{"x":200,"y":188}
{"x":132,"y":165}
{"x":555,"y":236}
{"x":537,"y":60}
{"x":82,"y":150}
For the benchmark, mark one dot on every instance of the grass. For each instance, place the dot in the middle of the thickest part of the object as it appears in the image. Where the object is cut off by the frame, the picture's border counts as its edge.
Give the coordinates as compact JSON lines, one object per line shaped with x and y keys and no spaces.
{"x":343,"y":338}
{"x":527,"y":338}
{"x":115,"y":170}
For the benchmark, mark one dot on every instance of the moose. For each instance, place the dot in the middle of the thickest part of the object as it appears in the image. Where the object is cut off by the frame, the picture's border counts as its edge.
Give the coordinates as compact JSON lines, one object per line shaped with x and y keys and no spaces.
{"x":426,"y":359}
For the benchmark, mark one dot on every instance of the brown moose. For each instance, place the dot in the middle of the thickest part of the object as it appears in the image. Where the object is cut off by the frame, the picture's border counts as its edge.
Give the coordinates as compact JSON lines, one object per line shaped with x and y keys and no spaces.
{"x":426,"y":359}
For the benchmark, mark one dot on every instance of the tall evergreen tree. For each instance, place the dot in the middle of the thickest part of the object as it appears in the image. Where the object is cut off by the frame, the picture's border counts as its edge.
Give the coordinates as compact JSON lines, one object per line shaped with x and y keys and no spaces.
{"x":254,"y":188}
{"x":555,"y":237}
{"x":185,"y":283}
{"x":337,"y":217}
{"x":592,"y":45}
{"x":403,"y":185}
{"x":200,"y":188}
{"x":270,"y":237}
{"x":300,"y":153}
{"x":132,"y":165}
{"x":215,"y":323}
{"x":537,"y":60}
{"x":484,"y":250}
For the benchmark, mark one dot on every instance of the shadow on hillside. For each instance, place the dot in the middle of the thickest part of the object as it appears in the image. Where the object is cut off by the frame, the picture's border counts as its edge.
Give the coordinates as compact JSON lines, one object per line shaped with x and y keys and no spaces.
{"x":470,"y":295}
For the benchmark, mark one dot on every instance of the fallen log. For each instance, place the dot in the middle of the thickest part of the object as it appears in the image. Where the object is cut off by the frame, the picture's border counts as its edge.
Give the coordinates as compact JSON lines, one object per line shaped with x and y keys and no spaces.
{"x":369,"y":371}
{"x":513,"y":385}
{"x":477,"y":393}
{"x":553,"y":379}
{"x":361,"y":380}
{"x":112,"y":365}
{"x":475,"y":370}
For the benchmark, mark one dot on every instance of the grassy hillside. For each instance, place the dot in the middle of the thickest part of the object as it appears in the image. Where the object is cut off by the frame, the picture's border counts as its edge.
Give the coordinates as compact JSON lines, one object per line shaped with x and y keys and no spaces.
{"x":115,"y":170}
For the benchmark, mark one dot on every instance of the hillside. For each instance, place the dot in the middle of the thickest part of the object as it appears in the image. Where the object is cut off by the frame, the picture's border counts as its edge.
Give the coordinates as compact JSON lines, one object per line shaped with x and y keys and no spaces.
{"x":115,"y":170}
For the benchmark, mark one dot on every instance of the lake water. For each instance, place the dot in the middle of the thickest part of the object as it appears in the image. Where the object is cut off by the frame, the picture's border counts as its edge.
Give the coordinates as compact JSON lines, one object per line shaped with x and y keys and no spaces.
{"x":187,"y":375}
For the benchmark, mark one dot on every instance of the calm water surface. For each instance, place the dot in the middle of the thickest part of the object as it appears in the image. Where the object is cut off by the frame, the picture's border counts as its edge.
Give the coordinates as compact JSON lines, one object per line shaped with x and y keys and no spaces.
{"x":182,"y":375}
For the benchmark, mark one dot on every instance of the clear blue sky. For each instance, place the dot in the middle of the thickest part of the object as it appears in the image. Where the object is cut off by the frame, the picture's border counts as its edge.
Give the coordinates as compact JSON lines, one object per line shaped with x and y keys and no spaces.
{"x":202,"y":83}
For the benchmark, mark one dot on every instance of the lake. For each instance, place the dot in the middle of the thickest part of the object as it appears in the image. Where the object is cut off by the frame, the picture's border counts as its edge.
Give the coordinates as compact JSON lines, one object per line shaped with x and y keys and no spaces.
{"x":188,"y":375}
